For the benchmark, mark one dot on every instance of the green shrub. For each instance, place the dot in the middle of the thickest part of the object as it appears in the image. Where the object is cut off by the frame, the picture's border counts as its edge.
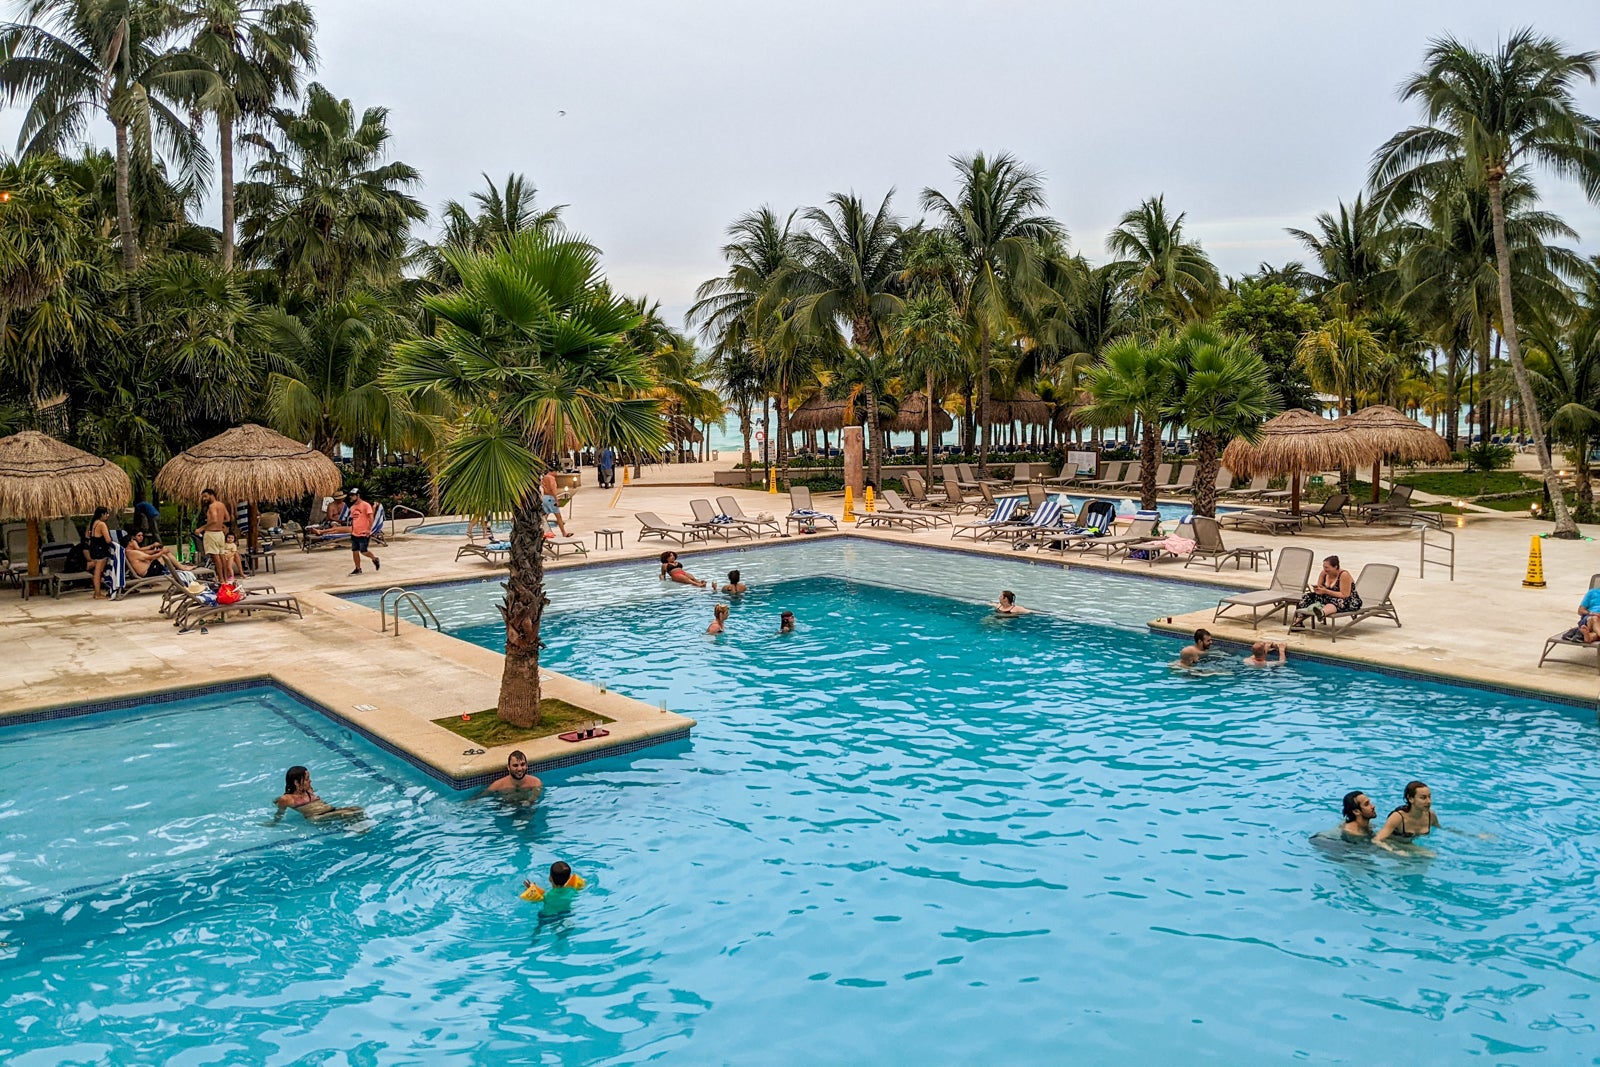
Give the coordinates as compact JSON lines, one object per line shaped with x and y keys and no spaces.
{"x":1489,"y":457}
{"x":409,"y":485}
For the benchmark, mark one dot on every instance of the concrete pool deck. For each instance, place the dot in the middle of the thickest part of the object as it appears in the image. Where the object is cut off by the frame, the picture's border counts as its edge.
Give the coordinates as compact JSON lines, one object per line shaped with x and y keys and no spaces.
{"x":1483,"y":628}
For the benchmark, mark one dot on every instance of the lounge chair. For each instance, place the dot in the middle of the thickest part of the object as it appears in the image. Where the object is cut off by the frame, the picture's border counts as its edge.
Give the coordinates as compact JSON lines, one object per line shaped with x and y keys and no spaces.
{"x":948,"y":472}
{"x":1000,"y":520}
{"x":189,"y":610}
{"x":1184,"y":480}
{"x":1287,"y":587}
{"x":958,"y":501}
{"x":1140,"y":530}
{"x":1399,"y":499}
{"x":1287,"y":492}
{"x":967,"y":475}
{"x":1224,"y":480}
{"x":1331,"y":508}
{"x":757,"y":523}
{"x":1153,"y":552}
{"x":1096,"y":519}
{"x":715,"y":525}
{"x":1113,"y":476}
{"x":1267,"y":520}
{"x":1257,"y":485}
{"x":1132,"y":479}
{"x":651,"y":525}
{"x":1042,"y":526}
{"x":918,"y":490}
{"x":802,"y":514}
{"x":1208,"y":546}
{"x":1375,"y":583}
{"x":891,"y":504}
{"x":1572,"y":638}
{"x":552,"y":546}
{"x":1163,"y":475}
{"x":310,"y":540}
{"x":495,"y":552}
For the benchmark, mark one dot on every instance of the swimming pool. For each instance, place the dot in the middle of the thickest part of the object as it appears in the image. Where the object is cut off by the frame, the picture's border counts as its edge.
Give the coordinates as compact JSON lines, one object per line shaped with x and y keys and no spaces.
{"x":907,"y":832}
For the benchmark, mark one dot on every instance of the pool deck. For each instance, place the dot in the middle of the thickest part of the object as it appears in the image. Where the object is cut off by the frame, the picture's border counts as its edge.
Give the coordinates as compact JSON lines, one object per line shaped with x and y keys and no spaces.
{"x":1484,"y":628}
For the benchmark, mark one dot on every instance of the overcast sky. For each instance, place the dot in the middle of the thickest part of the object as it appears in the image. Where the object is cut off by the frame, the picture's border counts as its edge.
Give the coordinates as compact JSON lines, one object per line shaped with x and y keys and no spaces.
{"x":679,"y":116}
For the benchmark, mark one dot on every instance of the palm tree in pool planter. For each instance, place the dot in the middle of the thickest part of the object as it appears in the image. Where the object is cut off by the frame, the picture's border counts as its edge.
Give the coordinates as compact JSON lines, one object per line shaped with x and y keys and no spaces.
{"x":532,"y":348}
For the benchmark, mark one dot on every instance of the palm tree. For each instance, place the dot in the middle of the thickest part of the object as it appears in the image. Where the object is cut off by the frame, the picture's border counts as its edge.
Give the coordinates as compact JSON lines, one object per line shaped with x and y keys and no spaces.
{"x":1001,"y":236}
{"x":72,"y":59}
{"x":1343,"y":358}
{"x":927,"y":336}
{"x":1171,"y":273}
{"x":532,"y":347}
{"x":204,"y":331}
{"x":323,"y":208}
{"x":1355,"y":254}
{"x":1485,"y":116}
{"x":846,"y":275}
{"x":500,"y":212}
{"x":738,"y":312}
{"x":1564,"y":363}
{"x":1222,"y":390}
{"x":1136,"y":380}
{"x":256,"y":50}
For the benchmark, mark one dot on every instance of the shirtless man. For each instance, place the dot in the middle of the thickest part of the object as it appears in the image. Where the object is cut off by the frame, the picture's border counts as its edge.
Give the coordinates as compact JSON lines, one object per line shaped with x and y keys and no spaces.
{"x":1191,"y":656}
{"x":1259,"y":651}
{"x":213,"y":535}
{"x":549,"y":490}
{"x":516,"y":779}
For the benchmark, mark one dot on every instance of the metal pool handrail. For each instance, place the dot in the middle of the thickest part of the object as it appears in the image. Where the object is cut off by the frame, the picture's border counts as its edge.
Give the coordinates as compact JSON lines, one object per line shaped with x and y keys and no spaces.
{"x":402,"y":595}
{"x":1447,"y":547}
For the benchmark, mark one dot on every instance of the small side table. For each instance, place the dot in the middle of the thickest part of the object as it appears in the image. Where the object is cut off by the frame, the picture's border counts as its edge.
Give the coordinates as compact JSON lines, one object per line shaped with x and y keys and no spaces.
{"x":263,"y":558}
{"x":44,"y":578}
{"x":610,"y":536}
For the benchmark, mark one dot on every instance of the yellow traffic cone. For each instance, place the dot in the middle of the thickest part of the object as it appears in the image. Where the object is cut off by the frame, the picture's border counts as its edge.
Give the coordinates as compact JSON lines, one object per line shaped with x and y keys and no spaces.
{"x":870,"y":508}
{"x":1535,"y":578}
{"x":849,"y":505}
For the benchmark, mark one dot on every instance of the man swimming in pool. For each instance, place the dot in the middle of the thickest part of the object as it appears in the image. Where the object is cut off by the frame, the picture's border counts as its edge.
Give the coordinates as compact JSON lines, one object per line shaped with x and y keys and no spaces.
{"x":516,"y":779}
{"x":1260,"y":650}
{"x":298,"y":794}
{"x":1193,"y":654}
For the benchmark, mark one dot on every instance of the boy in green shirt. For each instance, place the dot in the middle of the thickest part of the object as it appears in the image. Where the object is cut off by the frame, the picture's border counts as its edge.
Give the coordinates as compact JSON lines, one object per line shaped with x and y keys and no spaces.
{"x":564,"y":886}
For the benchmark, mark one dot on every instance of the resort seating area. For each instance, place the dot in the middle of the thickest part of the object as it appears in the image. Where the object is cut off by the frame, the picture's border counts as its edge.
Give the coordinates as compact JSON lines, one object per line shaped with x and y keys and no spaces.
{"x":1001,"y":519}
{"x":496,"y":552}
{"x":707,"y":519}
{"x":1288,"y":585}
{"x":891,"y":504}
{"x":729,"y":506}
{"x":1572,"y":638}
{"x":312,"y":539}
{"x":1330,"y":509}
{"x":802,"y":514}
{"x":1267,"y":520}
{"x":1208,"y":546}
{"x":1140,"y":530}
{"x":652,"y":525}
{"x":1375,"y":586}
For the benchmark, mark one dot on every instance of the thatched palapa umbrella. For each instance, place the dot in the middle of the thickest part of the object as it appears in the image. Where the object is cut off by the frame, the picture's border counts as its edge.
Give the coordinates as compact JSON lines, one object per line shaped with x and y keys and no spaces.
{"x":41,"y":478}
{"x":913,"y":417}
{"x":824,"y":413}
{"x":1396,"y":437}
{"x":1025,"y":407}
{"x":249,"y":463}
{"x":682,"y":430}
{"x":1293,"y":442}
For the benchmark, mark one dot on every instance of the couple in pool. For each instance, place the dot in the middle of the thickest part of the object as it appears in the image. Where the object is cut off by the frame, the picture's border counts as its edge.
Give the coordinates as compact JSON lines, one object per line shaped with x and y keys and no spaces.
{"x":1411,"y":820}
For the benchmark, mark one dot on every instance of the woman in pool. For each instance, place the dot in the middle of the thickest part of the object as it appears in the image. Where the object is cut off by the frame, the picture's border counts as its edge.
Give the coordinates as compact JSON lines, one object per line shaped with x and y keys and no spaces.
{"x":1335,"y":591}
{"x":786,"y":623}
{"x":1413,"y":819}
{"x":1359,"y":811}
{"x":719,"y":616}
{"x":671,"y":568}
{"x":298,"y":794}
{"x":1007,"y":605}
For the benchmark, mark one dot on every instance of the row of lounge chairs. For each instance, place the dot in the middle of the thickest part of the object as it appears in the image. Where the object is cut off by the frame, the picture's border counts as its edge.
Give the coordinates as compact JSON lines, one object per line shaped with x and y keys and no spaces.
{"x":1290,"y":583}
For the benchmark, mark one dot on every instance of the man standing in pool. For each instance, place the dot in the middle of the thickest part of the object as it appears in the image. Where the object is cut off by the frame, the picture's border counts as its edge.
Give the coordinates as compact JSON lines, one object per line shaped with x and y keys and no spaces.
{"x":517,"y":779}
{"x":1193,"y":654}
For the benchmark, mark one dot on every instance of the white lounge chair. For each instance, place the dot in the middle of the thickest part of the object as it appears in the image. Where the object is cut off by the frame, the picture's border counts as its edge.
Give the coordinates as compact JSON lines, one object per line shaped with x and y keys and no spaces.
{"x":1288,"y":586}
{"x":1375,"y":584}
{"x":652,"y":525}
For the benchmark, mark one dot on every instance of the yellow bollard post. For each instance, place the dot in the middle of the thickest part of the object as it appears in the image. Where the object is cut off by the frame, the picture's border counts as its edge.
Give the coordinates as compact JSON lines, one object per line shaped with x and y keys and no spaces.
{"x":870,"y":508}
{"x":626,"y":477}
{"x":849,"y":505}
{"x":1535,"y":578}
{"x":772,"y":479}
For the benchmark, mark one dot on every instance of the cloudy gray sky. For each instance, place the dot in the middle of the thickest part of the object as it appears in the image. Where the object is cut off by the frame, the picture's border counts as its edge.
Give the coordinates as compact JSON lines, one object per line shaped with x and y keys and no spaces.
{"x":679,"y":116}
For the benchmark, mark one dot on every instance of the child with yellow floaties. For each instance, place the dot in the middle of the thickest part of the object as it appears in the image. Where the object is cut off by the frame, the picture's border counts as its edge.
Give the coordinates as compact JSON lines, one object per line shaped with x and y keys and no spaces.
{"x":564,"y":886}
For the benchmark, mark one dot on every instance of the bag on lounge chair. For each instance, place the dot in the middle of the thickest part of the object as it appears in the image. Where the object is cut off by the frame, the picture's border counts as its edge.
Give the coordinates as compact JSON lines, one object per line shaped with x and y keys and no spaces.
{"x":229,"y":594}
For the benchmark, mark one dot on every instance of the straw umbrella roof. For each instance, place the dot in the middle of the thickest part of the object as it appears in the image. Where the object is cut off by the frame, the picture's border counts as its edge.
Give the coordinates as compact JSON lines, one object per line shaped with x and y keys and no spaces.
{"x":249,"y":463}
{"x":1392,"y":433}
{"x":1295,"y":441}
{"x":913,"y":416}
{"x":1025,"y":407}
{"x":682,"y":428}
{"x":41,"y":478}
{"x":824,"y":413}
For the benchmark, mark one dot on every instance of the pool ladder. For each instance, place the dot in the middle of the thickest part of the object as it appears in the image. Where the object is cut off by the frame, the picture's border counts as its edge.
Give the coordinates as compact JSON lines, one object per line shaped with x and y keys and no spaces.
{"x":402,"y":595}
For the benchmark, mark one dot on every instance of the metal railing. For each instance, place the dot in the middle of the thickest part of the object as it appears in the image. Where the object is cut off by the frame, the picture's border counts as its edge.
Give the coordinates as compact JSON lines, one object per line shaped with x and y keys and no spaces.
{"x":400,"y":511}
{"x":1444,"y":551}
{"x":402,"y":595}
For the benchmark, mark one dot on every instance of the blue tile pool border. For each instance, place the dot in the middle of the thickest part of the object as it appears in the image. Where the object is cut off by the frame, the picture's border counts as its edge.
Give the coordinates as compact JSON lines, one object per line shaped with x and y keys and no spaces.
{"x":54,"y":712}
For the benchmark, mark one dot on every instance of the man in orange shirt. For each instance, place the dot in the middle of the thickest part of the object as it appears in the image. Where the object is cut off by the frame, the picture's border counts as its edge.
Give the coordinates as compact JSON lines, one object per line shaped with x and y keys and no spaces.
{"x":360,"y":530}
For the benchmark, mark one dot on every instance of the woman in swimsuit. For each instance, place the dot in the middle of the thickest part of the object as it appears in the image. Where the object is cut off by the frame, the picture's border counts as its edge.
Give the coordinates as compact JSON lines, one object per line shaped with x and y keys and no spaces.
{"x":99,"y":550}
{"x":719,"y":618}
{"x":1413,"y":819}
{"x":1359,"y":811}
{"x":298,"y":794}
{"x":671,"y":568}
{"x":1335,"y":591}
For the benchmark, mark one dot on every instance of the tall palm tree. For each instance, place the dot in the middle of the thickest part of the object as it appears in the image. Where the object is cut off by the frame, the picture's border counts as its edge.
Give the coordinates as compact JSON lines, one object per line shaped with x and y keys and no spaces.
{"x":256,"y":50}
{"x":927,"y":337}
{"x":1343,"y":357}
{"x":1136,"y":380}
{"x":1173,"y":274}
{"x":1564,"y":363}
{"x":846,"y":275}
{"x":499,"y":213}
{"x":1222,"y":390}
{"x":738,"y":312}
{"x":1485,"y":115}
{"x":997,"y":222}
{"x":72,"y":59}
{"x":323,"y":207}
{"x":532,"y":347}
{"x":1354,"y":252}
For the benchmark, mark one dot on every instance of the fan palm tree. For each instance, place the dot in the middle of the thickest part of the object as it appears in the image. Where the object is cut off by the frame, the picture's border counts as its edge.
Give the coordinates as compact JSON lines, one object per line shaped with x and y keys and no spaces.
{"x":72,"y":59}
{"x":1171,"y":274}
{"x":1222,"y":390}
{"x":1485,"y":115}
{"x":532,"y":347}
{"x":737,"y":313}
{"x":323,"y":208}
{"x":1002,"y":236}
{"x":256,"y":50}
{"x":204,"y":331}
{"x":846,"y":275}
{"x":1354,"y":252}
{"x":1136,"y":380}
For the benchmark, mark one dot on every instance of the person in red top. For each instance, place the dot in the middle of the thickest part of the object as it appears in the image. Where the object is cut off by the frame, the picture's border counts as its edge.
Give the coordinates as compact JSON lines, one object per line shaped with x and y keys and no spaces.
{"x":360,"y":530}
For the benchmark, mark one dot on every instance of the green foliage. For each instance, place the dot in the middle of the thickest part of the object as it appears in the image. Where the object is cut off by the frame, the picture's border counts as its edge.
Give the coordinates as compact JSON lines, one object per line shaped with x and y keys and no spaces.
{"x":1488,"y":456}
{"x":1274,"y":317}
{"x":411,"y":485}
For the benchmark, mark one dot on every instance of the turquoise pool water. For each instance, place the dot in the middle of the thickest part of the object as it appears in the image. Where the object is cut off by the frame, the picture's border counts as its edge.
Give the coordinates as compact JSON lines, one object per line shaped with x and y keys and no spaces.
{"x":909,"y":832}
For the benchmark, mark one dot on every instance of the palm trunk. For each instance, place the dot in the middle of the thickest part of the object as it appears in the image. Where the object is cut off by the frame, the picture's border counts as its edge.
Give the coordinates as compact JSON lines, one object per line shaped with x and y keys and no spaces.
{"x":130,"y":243}
{"x":1564,"y":527}
{"x":1149,"y":449}
{"x":983,"y":402}
{"x":522,"y":609}
{"x":225,"y":161}
{"x":875,"y":457}
{"x":928,"y":396}
{"x":783,"y":427}
{"x":1208,"y":462}
{"x":744,"y":428}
